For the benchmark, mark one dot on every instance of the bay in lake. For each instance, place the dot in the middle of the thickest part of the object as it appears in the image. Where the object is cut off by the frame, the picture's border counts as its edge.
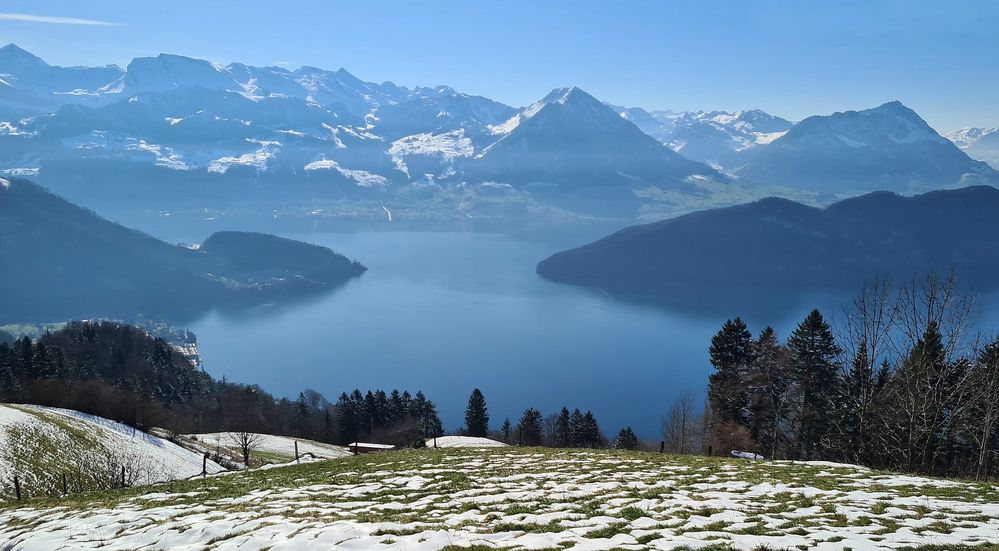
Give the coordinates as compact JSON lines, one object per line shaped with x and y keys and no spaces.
{"x":449,"y":312}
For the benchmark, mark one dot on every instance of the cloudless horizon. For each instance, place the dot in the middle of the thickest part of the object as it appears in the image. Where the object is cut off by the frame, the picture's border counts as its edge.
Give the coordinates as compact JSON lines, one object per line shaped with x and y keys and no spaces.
{"x":792,"y":60}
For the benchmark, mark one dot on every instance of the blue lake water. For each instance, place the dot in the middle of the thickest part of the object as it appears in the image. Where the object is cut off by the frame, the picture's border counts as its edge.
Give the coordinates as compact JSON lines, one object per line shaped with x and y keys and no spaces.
{"x":448,"y":312}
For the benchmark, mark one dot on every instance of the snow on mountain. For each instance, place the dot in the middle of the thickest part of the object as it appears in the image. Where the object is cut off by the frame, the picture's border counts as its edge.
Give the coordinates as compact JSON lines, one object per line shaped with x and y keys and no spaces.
{"x":362,"y":178}
{"x":884,"y":148}
{"x":257,"y":159}
{"x":167,"y":72}
{"x":978,"y":143}
{"x":572,"y":140}
{"x":713,"y":137}
{"x":430,"y":153}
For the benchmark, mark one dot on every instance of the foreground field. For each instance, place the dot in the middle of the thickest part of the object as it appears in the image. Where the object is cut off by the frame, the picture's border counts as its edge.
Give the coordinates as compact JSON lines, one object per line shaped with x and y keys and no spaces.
{"x":525,"y":498}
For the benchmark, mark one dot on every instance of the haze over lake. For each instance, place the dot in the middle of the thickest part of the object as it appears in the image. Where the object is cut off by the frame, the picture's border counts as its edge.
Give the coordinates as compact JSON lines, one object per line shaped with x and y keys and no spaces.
{"x":448,"y":312}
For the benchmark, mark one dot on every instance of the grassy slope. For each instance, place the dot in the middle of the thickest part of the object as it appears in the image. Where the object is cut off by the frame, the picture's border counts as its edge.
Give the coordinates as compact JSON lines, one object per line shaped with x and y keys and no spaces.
{"x":534,"y":498}
{"x":40,"y":445}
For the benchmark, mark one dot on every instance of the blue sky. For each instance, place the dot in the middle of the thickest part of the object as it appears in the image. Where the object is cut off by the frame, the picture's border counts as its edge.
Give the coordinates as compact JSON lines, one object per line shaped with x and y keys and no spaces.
{"x":792,"y":58}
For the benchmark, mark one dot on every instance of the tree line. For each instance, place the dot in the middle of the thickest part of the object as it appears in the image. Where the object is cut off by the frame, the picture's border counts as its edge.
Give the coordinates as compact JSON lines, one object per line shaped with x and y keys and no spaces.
{"x":122,"y":373}
{"x":559,"y":430}
{"x":904,"y":382}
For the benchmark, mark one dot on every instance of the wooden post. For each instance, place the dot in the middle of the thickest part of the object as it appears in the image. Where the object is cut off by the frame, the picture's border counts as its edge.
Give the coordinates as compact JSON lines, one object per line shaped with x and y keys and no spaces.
{"x":520,"y":436}
{"x":355,"y":448}
{"x":296,"y":451}
{"x":709,"y":451}
{"x":122,"y":476}
{"x":64,"y":492}
{"x":204,"y":464}
{"x":435,"y":442}
{"x":17,"y":488}
{"x":662,"y":446}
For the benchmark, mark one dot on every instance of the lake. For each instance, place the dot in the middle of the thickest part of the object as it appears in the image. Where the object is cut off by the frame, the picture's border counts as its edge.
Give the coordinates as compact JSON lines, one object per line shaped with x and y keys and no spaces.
{"x":449,"y":312}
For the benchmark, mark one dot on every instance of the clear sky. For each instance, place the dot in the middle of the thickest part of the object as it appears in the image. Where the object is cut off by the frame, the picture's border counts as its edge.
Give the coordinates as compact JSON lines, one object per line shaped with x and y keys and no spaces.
{"x":791,"y":57}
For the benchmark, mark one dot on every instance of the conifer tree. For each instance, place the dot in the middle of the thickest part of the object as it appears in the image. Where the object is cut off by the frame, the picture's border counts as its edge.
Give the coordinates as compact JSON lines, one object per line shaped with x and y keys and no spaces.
{"x":626,"y":440}
{"x":563,"y":430}
{"x":731,"y":354}
{"x":770,"y":379}
{"x":505,"y":430}
{"x":530,"y":428}
{"x":814,"y":355}
{"x":476,"y":415}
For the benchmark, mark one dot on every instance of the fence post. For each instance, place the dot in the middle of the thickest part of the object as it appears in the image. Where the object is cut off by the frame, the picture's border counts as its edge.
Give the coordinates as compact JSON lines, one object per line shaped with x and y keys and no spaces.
{"x":296,"y":451}
{"x":204,"y":464}
{"x":17,"y":488}
{"x":122,"y":476}
{"x":64,"y":491}
{"x":520,"y":436}
{"x":662,"y":446}
{"x":435,"y":442}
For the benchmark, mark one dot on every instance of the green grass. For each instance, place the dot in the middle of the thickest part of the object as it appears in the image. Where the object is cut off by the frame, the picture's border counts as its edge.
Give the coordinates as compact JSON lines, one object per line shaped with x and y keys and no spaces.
{"x":464,"y":482}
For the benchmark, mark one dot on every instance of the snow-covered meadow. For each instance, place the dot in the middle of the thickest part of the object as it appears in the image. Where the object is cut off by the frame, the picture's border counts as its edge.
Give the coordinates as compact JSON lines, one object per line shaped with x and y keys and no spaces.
{"x":40,"y":444}
{"x":523,"y":498}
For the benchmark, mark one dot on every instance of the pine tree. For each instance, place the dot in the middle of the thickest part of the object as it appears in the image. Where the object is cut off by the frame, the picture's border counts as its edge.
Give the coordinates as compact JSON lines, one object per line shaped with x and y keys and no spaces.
{"x":476,"y":415}
{"x":577,"y":432}
{"x":529,"y":428}
{"x":731,"y":355}
{"x":347,"y":420}
{"x":814,"y":355}
{"x":563,"y":430}
{"x":302,"y":416}
{"x":505,"y":430}
{"x":591,"y":432}
{"x":626,"y":440}
{"x":770,"y":379}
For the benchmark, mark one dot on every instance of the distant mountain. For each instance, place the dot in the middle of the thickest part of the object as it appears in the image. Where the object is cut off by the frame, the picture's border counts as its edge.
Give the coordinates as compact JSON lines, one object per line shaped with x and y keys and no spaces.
{"x":28,"y":85}
{"x":175,"y":134}
{"x":712,"y":137}
{"x":59,"y":261}
{"x":978,"y":143}
{"x":571,"y":140}
{"x":778,"y":244}
{"x":885,"y":148}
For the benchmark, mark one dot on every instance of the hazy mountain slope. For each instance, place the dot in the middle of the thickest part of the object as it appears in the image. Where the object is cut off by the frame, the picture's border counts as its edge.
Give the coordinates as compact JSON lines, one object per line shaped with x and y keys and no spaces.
{"x":572,"y":140}
{"x":776,"y":243}
{"x":66,"y":262}
{"x":885,"y":148}
{"x":979,"y":143}
{"x":712,"y":137}
{"x":39,"y":444}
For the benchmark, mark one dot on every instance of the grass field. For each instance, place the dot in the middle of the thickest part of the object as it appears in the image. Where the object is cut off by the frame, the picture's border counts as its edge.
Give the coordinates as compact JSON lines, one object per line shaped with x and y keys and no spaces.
{"x":520,"y":498}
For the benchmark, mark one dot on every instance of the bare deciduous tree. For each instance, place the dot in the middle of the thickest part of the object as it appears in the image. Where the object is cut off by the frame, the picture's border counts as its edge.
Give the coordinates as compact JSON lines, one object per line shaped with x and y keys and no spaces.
{"x":246,"y":442}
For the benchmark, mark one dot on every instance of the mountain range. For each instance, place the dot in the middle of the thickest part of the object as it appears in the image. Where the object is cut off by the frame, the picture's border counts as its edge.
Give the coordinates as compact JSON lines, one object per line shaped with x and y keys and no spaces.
{"x":777,"y":244}
{"x":170,"y":132}
{"x":59,"y":261}
{"x":979,"y":143}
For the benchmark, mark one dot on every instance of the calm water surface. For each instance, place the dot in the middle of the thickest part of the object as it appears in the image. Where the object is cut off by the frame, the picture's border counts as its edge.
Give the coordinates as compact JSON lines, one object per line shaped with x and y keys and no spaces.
{"x":448,"y":312}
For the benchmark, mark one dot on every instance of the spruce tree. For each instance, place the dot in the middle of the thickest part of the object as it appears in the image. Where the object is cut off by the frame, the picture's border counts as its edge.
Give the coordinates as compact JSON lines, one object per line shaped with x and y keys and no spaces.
{"x":770,"y":379}
{"x":814,"y":354}
{"x":591,"y":432}
{"x":577,"y":432}
{"x":626,"y":440}
{"x":505,"y":430}
{"x":476,"y":415}
{"x":563,"y":430}
{"x":530,"y":428}
{"x":731,"y":354}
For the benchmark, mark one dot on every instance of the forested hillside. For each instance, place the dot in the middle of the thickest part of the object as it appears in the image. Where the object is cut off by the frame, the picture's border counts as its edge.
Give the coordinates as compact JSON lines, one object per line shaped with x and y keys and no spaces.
{"x":121,"y":373}
{"x":63,"y":262}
